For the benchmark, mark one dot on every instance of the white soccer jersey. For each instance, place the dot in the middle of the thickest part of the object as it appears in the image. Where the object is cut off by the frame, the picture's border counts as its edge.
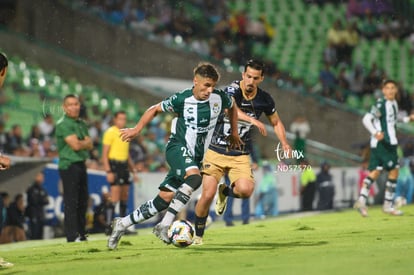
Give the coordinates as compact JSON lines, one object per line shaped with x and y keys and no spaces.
{"x":196,"y":119}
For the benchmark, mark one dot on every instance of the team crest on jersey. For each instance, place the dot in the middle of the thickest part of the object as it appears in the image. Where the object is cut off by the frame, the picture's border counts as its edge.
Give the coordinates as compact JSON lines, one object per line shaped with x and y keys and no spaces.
{"x":178,"y":172}
{"x":216,"y":108}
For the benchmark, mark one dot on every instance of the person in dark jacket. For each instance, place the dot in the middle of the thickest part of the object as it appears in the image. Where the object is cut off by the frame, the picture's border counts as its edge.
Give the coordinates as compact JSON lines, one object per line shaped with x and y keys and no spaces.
{"x":325,"y":188}
{"x":4,"y":204}
{"x":103,"y":215}
{"x":13,"y":230}
{"x":37,"y":199}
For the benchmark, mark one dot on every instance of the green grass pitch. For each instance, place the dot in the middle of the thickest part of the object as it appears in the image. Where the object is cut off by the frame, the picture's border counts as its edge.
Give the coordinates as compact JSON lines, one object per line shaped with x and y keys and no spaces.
{"x":329,"y":243}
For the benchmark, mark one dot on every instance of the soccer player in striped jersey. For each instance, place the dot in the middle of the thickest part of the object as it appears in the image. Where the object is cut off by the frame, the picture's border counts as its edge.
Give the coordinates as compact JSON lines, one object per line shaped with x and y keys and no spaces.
{"x":197,"y":110}
{"x":4,"y":160}
{"x":381,"y":124}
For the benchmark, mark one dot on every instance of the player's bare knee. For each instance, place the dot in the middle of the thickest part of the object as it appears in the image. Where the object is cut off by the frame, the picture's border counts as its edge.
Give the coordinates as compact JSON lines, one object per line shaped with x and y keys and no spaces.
{"x":244,"y":190}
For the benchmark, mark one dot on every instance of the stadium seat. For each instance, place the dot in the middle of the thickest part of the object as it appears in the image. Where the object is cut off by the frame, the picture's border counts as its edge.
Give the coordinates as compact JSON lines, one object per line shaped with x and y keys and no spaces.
{"x":353,"y":102}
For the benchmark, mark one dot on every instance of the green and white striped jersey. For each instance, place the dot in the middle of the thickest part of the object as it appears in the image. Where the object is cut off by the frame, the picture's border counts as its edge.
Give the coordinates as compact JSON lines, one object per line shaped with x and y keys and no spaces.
{"x":196,"y":119}
{"x":386,"y":116}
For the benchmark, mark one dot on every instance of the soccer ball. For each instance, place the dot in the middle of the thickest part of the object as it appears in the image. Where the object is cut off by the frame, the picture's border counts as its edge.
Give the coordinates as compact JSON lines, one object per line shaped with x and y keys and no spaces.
{"x":181,"y":233}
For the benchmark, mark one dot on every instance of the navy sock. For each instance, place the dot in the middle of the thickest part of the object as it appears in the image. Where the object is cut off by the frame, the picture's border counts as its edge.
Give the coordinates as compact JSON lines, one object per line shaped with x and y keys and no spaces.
{"x":200,"y":225}
{"x":228,"y":191}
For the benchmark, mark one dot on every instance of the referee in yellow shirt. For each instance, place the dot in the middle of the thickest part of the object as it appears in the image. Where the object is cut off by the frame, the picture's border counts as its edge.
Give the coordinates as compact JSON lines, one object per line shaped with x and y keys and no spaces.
{"x":117,"y":163}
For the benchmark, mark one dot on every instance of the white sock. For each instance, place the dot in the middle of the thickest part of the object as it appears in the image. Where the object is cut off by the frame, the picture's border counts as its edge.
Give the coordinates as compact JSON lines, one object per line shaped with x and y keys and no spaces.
{"x":363,"y":194}
{"x":143,"y":212}
{"x":180,"y":199}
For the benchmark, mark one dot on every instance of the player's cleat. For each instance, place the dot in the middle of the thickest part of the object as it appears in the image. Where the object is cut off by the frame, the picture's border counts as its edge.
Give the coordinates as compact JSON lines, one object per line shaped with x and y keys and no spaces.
{"x":362,"y":208}
{"x":82,"y":238}
{"x":392,"y":211}
{"x":4,"y":264}
{"x":221,"y":202}
{"x":161,"y":231}
{"x":118,"y":230}
{"x":198,"y":240}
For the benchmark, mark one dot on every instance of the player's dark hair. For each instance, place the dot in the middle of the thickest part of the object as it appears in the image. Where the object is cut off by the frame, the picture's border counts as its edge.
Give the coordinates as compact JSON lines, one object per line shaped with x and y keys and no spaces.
{"x":387,"y":81}
{"x":70,"y":96}
{"x":3,"y":61}
{"x":255,"y":64}
{"x":119,"y":113}
{"x":207,"y":70}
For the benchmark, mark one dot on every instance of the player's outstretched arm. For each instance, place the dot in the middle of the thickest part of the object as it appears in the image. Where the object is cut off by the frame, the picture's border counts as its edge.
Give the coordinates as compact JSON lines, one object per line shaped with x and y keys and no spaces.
{"x":279,"y":130}
{"x":4,"y":162}
{"x":127,"y":134}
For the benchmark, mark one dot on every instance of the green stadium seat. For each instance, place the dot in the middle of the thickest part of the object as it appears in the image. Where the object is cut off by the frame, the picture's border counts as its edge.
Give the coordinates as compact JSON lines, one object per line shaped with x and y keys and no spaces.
{"x":367,"y":101}
{"x":353,"y":102}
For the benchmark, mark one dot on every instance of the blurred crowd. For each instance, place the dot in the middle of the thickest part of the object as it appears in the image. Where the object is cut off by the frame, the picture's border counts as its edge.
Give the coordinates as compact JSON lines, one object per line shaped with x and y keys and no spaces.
{"x":341,"y":77}
{"x":211,"y":29}
{"x":206,"y":27}
{"x":147,"y":150}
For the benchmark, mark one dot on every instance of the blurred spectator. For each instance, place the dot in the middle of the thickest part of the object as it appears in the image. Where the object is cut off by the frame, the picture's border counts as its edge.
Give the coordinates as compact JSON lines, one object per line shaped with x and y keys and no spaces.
{"x":13,"y":230}
{"x":369,"y":27}
{"x":138,"y":153}
{"x":400,"y":27}
{"x":15,"y":143}
{"x":47,"y":126}
{"x":307,"y":186}
{"x":90,"y":213}
{"x":360,"y":8}
{"x":106,"y":119}
{"x":372,"y":81}
{"x":4,"y":204}
{"x":351,"y":40}
{"x":267,"y":202}
{"x":356,"y":80}
{"x":104,"y":213}
{"x":36,"y":148}
{"x":404,"y":101}
{"x":3,"y":137}
{"x":256,"y":31}
{"x":49,"y":148}
{"x":83,"y":113}
{"x":37,"y":199}
{"x":342,"y":81}
{"x":96,"y":133}
{"x":34,"y":142}
{"x":301,"y":128}
{"x":352,"y":9}
{"x":336,"y":40}
{"x":325,"y":188}
{"x":405,"y":184}
{"x":384,"y":29}
{"x":329,"y":55}
{"x":410,"y":39}
{"x":35,"y":133}
{"x":327,"y":80}
{"x":181,"y":24}
{"x":238,"y":23}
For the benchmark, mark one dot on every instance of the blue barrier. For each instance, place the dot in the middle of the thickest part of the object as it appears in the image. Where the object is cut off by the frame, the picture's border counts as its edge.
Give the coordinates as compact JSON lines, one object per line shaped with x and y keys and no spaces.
{"x":96,"y":183}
